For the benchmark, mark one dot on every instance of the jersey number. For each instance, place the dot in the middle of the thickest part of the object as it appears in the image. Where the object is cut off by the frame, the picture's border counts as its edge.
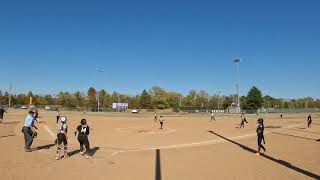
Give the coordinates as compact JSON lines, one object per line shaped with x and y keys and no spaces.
{"x":84,"y":129}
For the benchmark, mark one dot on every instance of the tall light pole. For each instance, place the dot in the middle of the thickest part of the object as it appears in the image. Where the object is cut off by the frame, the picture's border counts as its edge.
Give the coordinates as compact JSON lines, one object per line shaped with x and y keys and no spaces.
{"x":237,"y":62}
{"x":10,"y":88}
{"x":99,"y":70}
{"x":98,"y":97}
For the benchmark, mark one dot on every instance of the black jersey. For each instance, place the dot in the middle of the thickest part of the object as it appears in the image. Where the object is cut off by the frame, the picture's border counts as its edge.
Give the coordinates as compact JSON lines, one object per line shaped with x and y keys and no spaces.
{"x":83,"y":130}
{"x":309,"y":118}
{"x":260,"y":130}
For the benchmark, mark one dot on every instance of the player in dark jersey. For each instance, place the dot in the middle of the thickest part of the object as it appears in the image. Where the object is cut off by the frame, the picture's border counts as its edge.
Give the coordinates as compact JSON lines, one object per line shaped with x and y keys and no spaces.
{"x":58,"y":116}
{"x":83,"y":130}
{"x":309,"y":121}
{"x":260,"y":135}
{"x":2,"y":111}
{"x":243,"y":120}
{"x":281,"y":116}
{"x":62,"y":138}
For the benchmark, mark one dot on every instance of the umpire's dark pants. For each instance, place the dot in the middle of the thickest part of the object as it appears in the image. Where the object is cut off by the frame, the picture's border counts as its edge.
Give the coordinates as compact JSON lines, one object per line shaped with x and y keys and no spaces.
{"x":28,"y":139}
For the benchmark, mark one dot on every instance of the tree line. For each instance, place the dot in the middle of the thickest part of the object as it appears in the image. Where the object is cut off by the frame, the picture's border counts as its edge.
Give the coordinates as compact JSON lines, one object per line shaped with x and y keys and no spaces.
{"x":157,"y":98}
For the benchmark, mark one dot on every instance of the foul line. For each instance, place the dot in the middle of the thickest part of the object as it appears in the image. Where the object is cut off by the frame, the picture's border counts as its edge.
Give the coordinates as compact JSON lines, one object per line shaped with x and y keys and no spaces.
{"x":197,"y":144}
{"x":49,"y":131}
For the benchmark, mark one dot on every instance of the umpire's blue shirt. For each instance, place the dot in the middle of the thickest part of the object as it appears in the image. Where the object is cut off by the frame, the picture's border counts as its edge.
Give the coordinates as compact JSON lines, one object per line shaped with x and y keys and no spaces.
{"x":28,"y":121}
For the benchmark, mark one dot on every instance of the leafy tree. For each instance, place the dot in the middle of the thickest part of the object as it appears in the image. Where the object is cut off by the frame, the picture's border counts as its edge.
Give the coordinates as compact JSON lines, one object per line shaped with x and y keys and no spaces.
{"x":202,"y":99}
{"x":159,"y":100}
{"x":61,"y":100}
{"x":243,"y":102}
{"x":227,"y":102}
{"x":254,"y":98}
{"x":190,"y":99}
{"x":92,"y":101}
{"x":145,"y":100}
{"x":173,"y":99}
{"x":104,"y":98}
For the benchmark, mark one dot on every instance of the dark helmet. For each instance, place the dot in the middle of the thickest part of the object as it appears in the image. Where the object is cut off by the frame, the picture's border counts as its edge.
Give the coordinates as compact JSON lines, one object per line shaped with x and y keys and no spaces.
{"x":260,"y":120}
{"x":83,"y":122}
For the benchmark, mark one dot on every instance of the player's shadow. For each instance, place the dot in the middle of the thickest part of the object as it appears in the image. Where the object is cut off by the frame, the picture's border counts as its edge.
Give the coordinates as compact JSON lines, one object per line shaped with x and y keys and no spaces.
{"x":158,"y":165}
{"x":72,"y":153}
{"x":92,"y":151}
{"x":305,"y":131}
{"x":273,"y":127}
{"x":279,"y":161}
{"x":48,"y":146}
{"x":12,"y":122}
{"x":10,"y":135}
{"x":301,"y":137}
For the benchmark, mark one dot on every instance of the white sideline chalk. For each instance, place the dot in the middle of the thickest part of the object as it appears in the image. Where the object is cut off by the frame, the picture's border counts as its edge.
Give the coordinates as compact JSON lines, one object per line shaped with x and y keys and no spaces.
{"x":49,"y":131}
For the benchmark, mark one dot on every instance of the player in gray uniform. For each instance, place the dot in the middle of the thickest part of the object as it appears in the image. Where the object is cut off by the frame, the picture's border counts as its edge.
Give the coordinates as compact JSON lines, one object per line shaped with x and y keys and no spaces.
{"x":212,"y":115}
{"x":62,"y":137}
{"x":161,"y":120}
{"x":155,"y":117}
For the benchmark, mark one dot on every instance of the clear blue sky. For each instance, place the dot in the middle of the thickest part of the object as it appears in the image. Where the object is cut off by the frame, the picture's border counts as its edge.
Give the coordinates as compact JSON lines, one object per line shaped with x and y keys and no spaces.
{"x":50,"y":46}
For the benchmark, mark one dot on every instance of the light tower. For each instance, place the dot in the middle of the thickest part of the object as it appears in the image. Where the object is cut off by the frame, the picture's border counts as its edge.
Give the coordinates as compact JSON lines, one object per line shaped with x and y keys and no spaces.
{"x":99,"y":70}
{"x":237,"y":62}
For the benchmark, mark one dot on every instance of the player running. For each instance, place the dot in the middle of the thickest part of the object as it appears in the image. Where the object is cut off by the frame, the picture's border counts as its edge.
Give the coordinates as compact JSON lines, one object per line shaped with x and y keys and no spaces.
{"x":260,"y":135}
{"x":58,"y":116}
{"x":83,"y":133}
{"x":62,"y":138}
{"x":161,"y":120}
{"x":243,"y":120}
{"x":309,"y":121}
{"x":212,"y":115}
{"x":155,"y":117}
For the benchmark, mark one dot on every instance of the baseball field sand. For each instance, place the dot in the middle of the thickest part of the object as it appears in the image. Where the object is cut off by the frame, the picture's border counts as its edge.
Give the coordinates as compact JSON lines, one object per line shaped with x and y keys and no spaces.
{"x":132,"y":147}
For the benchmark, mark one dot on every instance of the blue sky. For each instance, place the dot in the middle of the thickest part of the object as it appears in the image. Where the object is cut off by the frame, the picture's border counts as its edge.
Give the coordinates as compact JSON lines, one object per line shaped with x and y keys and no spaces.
{"x":51,"y":46}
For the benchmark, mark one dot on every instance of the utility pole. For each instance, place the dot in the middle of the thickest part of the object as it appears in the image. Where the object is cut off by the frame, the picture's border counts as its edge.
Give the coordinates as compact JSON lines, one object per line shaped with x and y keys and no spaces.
{"x":10,"y":88}
{"x":237,"y":62}
{"x":99,"y":70}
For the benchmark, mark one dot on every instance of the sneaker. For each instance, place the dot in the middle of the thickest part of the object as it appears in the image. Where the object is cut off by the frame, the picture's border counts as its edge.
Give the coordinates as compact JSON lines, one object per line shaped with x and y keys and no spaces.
{"x":57,"y":158}
{"x":82,"y":152}
{"x":88,"y":157}
{"x":28,"y":150}
{"x":258,"y":154}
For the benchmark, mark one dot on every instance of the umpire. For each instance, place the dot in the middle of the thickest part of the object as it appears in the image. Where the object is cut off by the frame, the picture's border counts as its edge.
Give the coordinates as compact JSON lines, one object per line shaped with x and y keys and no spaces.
{"x":29,"y":131}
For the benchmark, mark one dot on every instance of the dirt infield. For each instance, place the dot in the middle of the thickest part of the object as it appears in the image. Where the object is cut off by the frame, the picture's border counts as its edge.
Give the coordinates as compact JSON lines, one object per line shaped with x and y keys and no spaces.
{"x":189,"y":147}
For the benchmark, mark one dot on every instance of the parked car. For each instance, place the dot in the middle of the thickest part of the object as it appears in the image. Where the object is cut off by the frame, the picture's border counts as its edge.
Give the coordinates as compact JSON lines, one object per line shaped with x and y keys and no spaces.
{"x":24,"y":107}
{"x":48,"y":108}
{"x":134,"y":111}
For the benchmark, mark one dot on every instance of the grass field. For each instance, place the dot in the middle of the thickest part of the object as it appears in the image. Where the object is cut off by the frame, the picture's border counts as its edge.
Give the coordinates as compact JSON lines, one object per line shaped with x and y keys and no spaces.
{"x":130,"y":147}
